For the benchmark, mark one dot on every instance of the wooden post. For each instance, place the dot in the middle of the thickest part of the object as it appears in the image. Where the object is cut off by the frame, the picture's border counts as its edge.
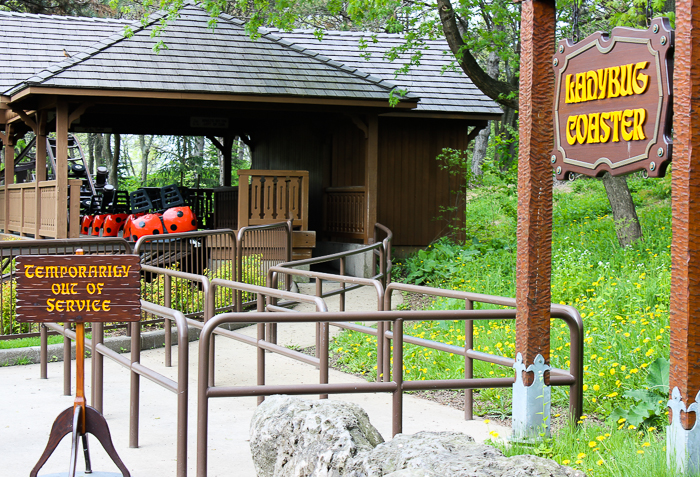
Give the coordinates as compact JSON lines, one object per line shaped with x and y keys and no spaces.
{"x":533,"y":275}
{"x":371,"y":173}
{"x":684,"y":381}
{"x":40,"y":167}
{"x":9,"y":144}
{"x":61,"y":169}
{"x":228,"y":159}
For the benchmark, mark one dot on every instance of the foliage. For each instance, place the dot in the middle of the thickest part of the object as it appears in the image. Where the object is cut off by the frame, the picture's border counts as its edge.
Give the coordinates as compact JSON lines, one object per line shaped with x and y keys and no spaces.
{"x":622,"y":294}
{"x":650,"y":406}
{"x":601,"y":451}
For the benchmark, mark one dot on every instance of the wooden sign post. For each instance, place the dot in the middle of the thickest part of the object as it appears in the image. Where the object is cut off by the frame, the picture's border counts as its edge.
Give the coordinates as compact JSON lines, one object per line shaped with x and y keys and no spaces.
{"x":78,"y":289}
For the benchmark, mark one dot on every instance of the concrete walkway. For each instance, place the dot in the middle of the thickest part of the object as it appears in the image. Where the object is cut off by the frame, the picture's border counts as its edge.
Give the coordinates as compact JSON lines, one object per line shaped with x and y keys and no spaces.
{"x":30,"y":405}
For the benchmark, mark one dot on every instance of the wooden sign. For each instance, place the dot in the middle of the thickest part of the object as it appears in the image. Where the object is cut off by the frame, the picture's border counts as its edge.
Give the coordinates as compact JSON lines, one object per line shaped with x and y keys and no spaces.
{"x":78,"y":288}
{"x":612,"y":103}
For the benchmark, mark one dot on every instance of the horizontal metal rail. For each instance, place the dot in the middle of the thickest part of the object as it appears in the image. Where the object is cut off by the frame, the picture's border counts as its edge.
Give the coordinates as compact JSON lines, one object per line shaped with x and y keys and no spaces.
{"x":205,"y":391}
{"x":568,"y":314}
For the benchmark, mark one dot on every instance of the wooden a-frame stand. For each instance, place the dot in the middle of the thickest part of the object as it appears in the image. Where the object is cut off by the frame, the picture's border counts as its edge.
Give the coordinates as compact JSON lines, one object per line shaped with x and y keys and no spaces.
{"x":80,"y":419}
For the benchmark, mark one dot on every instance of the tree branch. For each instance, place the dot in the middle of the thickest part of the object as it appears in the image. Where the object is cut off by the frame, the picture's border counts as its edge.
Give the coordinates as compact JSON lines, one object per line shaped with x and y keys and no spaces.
{"x":497,"y":90}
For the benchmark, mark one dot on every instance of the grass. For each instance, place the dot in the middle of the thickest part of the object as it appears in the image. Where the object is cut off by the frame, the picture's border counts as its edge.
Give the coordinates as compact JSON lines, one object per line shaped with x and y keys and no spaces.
{"x":27,"y":342}
{"x":622,"y":295}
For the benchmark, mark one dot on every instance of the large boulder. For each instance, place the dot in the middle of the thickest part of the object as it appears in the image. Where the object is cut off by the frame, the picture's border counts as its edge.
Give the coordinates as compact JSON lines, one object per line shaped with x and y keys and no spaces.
{"x":437,"y":454}
{"x":292,"y":437}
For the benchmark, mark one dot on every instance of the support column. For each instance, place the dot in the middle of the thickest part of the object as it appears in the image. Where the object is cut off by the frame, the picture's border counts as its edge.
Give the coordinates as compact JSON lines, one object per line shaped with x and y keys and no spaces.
{"x":371,"y":173}
{"x":683,"y":446}
{"x":61,"y":169}
{"x":9,"y":143}
{"x":533,"y":294}
{"x":40,"y":166}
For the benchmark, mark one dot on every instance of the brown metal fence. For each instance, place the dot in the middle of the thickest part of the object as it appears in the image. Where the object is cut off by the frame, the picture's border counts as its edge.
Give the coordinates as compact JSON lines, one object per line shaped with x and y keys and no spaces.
{"x":259,"y":248}
{"x":206,"y":390}
{"x":9,"y":328}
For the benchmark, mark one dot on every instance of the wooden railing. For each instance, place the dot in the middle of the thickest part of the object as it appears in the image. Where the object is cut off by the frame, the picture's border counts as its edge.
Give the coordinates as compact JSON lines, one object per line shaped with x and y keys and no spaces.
{"x":32,"y":209}
{"x":344,"y":211}
{"x":267,"y":197}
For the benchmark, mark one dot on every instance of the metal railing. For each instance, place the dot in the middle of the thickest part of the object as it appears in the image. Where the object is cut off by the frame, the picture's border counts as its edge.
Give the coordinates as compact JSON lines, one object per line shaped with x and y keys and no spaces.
{"x":568,"y":314}
{"x":205,"y":390}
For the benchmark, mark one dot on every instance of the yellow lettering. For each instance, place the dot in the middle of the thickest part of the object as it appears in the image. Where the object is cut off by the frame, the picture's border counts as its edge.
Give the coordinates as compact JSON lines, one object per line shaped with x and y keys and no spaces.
{"x":105,"y":305}
{"x":126,"y":269}
{"x":81,"y":305}
{"x":59,"y":305}
{"x":51,"y":272}
{"x":72,"y":288}
{"x":626,"y":80}
{"x":69,"y":305}
{"x":602,"y":82}
{"x":27,"y":271}
{"x":616,"y":116}
{"x":591,"y":85}
{"x":99,"y":288}
{"x":570,"y":93}
{"x":571,"y":127}
{"x":95,"y":307}
{"x":55,"y":288}
{"x":91,"y":288}
{"x":605,"y":134}
{"x":641,"y":81}
{"x":81,"y":271}
{"x":613,"y":82}
{"x":593,"y":128}
{"x":627,"y":116}
{"x":640,"y":116}
{"x":103,"y":271}
{"x":39,"y":272}
{"x":64,"y":270}
{"x":73,"y":272}
{"x":92,"y":272}
{"x":49,"y":304}
{"x":109,"y":271}
{"x":581,"y":128}
{"x":581,"y":87}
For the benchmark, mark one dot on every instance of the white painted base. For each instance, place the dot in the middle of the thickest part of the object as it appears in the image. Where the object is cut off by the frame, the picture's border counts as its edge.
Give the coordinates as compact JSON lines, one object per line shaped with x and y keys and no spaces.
{"x":531,"y":404}
{"x":682,"y":445}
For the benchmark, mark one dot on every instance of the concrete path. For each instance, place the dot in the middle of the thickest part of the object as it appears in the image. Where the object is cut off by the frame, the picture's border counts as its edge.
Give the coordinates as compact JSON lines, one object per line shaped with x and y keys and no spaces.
{"x":29,"y":406}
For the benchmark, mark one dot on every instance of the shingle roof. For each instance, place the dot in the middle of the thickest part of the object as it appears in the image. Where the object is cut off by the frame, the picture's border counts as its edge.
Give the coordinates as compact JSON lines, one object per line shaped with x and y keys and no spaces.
{"x":448,"y":91}
{"x":223,"y":60}
{"x":199,"y":59}
{"x":33,"y":42}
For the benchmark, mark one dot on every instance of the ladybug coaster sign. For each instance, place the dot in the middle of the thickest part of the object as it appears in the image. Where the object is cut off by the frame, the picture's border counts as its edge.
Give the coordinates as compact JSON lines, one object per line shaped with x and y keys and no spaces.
{"x":612,"y":102}
{"x":78,"y":288}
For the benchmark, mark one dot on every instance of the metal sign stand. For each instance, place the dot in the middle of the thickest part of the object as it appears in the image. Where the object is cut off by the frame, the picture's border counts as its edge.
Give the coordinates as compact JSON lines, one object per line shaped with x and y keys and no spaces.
{"x":80,"y":420}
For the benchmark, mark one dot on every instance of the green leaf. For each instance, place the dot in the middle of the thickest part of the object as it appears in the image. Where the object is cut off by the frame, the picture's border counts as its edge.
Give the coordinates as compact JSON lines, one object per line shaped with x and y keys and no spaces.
{"x":658,"y":374}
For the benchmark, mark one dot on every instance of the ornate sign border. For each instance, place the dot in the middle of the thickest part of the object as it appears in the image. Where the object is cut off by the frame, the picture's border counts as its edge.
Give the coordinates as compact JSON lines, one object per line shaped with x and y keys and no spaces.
{"x":659,"y":40}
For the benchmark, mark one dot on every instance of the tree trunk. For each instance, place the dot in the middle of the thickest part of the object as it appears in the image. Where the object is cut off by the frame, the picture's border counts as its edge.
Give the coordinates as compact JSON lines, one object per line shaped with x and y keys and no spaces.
{"x":113,"y":157}
{"x":91,"y":152}
{"x":220,"y":157}
{"x":145,"y":152}
{"x":107,"y":153}
{"x":482,"y":139}
{"x":624,"y":213}
{"x":199,"y":152}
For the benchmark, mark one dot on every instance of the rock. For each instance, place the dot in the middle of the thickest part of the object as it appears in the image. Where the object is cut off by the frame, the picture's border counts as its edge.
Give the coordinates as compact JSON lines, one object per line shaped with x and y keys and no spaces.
{"x":292,"y":437}
{"x":428,"y":454}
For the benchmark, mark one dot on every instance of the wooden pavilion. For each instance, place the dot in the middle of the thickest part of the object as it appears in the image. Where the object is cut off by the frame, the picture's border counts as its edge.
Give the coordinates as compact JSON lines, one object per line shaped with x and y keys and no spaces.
{"x":300,"y":104}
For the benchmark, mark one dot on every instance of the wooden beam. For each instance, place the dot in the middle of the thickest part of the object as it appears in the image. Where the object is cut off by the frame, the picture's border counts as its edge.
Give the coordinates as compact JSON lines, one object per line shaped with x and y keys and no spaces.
{"x":534,"y":256}
{"x":75,"y":115}
{"x":685,"y":245}
{"x":104,"y":93}
{"x":362,"y":126}
{"x":371,"y":174}
{"x":40,"y":167}
{"x":25,"y":117}
{"x":61,"y":169}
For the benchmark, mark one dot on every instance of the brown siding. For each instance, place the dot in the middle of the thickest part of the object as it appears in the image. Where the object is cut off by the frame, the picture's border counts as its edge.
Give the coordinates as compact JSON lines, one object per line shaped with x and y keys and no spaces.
{"x":412,"y":187}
